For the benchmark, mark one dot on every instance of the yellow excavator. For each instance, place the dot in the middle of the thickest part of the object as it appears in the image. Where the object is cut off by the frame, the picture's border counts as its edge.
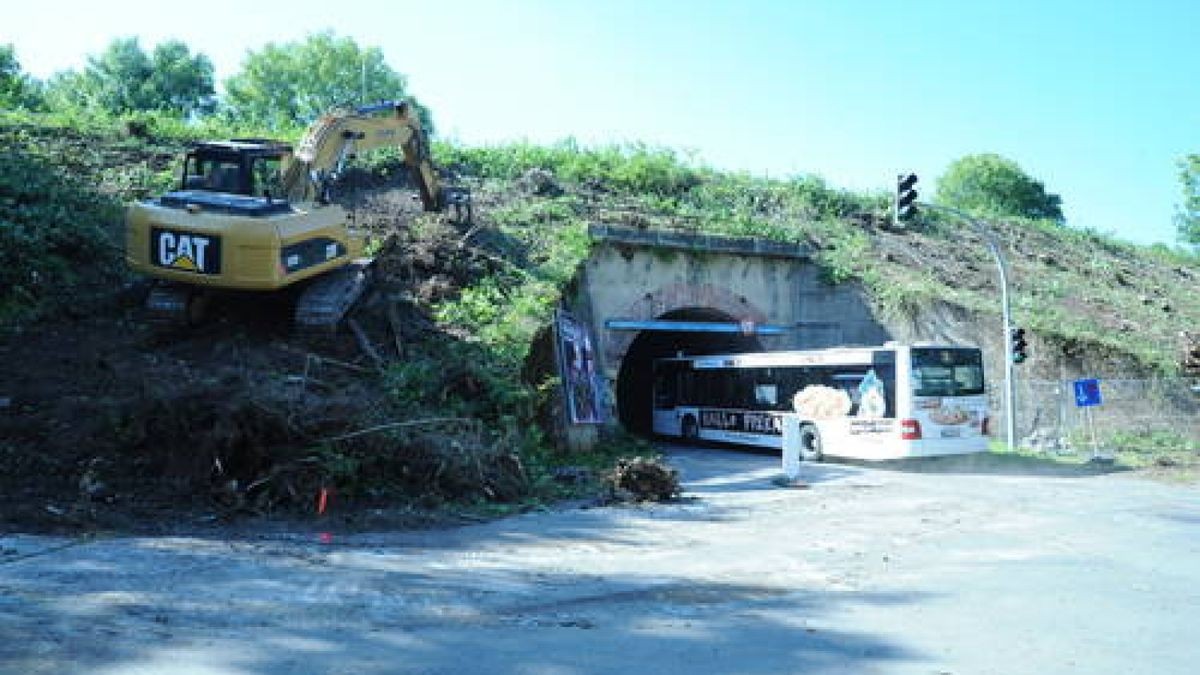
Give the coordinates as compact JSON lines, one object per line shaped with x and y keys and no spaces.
{"x":256,"y":215}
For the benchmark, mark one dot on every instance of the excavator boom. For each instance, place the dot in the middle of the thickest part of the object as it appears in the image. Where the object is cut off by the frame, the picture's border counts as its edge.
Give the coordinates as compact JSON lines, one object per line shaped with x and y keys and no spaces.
{"x":337,"y":137}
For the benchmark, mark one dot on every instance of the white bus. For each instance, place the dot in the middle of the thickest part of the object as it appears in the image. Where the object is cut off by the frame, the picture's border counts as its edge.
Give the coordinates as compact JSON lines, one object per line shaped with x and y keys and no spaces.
{"x":883,"y":402}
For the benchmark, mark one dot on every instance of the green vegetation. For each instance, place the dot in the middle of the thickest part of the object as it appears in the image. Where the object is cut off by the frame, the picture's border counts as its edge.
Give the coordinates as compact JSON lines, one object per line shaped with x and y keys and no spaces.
{"x":632,"y":169}
{"x":1128,"y":450}
{"x":992,"y":185}
{"x":125,"y":78}
{"x":17,"y":90}
{"x":1188,"y":216}
{"x":55,"y":236}
{"x":281,"y":87}
{"x":1071,"y":286}
{"x":670,"y":188}
{"x":1153,"y":448}
{"x":291,"y":84}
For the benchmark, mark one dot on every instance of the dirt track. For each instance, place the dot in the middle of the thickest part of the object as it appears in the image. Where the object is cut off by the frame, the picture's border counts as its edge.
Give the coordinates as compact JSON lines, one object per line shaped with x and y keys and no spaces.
{"x":958,"y":568}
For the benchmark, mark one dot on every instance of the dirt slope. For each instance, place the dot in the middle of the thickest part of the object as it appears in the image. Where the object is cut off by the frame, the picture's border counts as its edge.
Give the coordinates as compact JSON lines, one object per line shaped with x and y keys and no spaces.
{"x":108,"y":418}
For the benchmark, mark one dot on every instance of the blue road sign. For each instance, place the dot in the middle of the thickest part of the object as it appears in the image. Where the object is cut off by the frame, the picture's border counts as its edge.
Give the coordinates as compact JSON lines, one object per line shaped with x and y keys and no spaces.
{"x":1087,"y":393}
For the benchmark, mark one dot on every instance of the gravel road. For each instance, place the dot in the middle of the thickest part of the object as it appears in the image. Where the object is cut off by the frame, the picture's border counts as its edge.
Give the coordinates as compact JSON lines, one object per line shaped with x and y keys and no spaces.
{"x":960,"y":567}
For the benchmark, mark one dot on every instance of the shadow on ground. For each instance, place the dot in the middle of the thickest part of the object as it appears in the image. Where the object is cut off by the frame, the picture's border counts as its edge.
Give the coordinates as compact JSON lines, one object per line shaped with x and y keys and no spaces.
{"x":219,"y":607}
{"x":994,"y":464}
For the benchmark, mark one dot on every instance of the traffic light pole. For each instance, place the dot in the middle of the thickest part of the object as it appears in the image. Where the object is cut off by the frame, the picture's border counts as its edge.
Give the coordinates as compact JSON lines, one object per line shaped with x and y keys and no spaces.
{"x":1010,"y":408}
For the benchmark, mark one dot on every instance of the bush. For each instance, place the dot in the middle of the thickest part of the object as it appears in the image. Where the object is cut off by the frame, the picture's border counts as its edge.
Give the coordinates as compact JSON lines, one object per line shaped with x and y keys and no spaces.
{"x":460,"y":379}
{"x":54,"y":231}
{"x":631,"y":169}
{"x":993,"y":185}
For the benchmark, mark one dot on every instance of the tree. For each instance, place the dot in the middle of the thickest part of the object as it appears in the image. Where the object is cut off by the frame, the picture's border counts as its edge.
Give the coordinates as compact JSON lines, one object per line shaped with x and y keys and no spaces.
{"x":10,"y":75}
{"x":124,"y":79}
{"x":1187,"y":216}
{"x":64,"y":90}
{"x":17,"y":90}
{"x":117,"y":79}
{"x":294,"y":83}
{"x":180,"y":81}
{"x":991,"y":184}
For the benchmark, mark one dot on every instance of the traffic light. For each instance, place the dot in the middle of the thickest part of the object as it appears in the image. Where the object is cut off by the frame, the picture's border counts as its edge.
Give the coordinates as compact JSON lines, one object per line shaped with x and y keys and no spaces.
{"x":1019,"y":345}
{"x":906,"y":198}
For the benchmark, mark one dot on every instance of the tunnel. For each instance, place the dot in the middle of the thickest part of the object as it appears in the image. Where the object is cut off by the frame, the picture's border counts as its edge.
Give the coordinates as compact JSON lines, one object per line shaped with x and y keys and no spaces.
{"x":635,"y":378}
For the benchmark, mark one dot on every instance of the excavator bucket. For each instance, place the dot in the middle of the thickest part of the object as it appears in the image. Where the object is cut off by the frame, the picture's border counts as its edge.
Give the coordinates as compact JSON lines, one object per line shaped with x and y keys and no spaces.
{"x":457,"y":201}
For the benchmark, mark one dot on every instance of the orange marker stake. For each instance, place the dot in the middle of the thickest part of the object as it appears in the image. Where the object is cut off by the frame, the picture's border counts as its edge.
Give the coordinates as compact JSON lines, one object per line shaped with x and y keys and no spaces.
{"x":322,"y":501}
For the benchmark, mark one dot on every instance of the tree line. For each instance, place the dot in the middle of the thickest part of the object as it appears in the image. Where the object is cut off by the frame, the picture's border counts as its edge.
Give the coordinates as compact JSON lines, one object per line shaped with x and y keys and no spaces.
{"x":279,"y":86}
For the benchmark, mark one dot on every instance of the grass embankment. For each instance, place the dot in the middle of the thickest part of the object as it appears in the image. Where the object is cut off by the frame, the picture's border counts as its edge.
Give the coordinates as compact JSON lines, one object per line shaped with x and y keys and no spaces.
{"x":1071,"y":286}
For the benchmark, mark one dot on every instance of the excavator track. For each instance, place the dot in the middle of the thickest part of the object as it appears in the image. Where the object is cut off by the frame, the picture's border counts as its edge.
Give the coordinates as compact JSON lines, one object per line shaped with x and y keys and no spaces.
{"x":323,"y":304}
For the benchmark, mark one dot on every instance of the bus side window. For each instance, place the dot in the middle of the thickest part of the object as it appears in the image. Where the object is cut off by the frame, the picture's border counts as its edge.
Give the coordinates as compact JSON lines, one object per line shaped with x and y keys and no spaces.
{"x":711,"y":388}
{"x":790,"y":383}
{"x":766,"y":396}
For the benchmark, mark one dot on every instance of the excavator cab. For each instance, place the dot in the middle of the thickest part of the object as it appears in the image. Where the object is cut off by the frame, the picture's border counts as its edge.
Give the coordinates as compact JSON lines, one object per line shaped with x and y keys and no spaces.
{"x":247,"y":167}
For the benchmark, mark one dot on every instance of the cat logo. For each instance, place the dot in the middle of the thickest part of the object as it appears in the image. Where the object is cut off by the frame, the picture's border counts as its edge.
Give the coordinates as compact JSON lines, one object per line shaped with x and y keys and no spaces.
{"x":185,"y":251}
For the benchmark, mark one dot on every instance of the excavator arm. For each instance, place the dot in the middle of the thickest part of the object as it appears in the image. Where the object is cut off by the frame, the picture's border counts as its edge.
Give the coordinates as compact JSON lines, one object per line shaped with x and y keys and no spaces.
{"x":337,"y":137}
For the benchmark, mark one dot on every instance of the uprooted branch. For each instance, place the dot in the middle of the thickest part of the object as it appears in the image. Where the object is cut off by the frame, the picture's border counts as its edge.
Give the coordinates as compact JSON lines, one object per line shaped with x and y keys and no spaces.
{"x":398,"y":425}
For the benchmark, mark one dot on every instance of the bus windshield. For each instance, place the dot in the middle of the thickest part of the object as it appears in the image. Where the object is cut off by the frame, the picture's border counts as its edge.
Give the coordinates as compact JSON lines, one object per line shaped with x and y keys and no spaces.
{"x":947,"y":372}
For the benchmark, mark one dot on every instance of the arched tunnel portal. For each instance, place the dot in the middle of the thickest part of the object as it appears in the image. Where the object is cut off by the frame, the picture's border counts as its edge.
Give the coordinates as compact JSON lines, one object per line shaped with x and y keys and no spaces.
{"x":635,"y":377}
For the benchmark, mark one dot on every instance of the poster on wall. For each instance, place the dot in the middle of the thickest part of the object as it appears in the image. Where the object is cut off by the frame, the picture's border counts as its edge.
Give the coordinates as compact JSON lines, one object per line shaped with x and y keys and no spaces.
{"x":579,"y":373}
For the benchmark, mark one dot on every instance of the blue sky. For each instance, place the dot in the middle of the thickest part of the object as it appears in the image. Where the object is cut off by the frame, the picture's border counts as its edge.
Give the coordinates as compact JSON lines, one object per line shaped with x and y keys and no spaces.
{"x":1096,"y":99}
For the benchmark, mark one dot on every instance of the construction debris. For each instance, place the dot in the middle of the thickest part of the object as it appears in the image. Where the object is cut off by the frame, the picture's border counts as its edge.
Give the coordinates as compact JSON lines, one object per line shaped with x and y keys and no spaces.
{"x":642,"y":479}
{"x":1189,"y":357}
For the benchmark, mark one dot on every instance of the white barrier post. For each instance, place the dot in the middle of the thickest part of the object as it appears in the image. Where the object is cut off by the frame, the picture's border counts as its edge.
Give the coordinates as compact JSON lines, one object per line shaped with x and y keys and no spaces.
{"x":791,"y":447}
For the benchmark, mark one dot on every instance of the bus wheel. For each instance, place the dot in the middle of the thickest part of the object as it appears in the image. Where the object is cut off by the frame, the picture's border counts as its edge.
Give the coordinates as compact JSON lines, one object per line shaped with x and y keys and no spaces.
{"x":691,"y":431}
{"x":810,"y":443}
